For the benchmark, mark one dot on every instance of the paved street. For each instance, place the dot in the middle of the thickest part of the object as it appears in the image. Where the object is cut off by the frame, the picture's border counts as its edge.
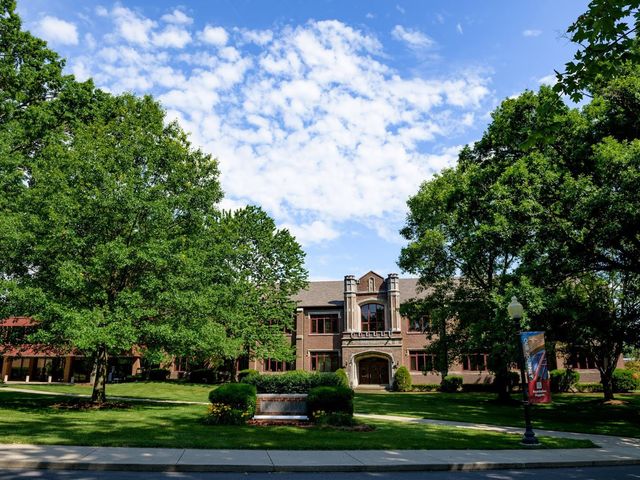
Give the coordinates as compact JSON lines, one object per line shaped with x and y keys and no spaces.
{"x":592,"y":473}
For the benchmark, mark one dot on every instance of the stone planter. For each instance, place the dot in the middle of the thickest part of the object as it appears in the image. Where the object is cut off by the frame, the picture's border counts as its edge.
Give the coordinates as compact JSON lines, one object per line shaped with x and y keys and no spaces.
{"x":281,"y":406}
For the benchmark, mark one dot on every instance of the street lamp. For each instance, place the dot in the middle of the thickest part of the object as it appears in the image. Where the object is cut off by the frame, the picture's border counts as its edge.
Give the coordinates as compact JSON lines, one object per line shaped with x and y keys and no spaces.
{"x":515,"y":312}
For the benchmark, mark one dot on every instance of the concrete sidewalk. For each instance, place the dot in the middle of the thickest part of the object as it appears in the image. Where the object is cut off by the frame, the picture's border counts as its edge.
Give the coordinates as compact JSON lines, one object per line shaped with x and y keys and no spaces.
{"x":612,"y":451}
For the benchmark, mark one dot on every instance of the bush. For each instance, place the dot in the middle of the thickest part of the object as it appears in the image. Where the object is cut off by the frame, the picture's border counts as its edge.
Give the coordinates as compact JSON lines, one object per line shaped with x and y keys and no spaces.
{"x":563,"y":380}
{"x":451,"y":383}
{"x":245,"y":373}
{"x":342,"y":378}
{"x":624,"y":380}
{"x":296,"y":381}
{"x":513,"y":380}
{"x":329,"y":400}
{"x":426,"y":387}
{"x":337,"y":419}
{"x":158,"y":374}
{"x":204,"y":375}
{"x":633,"y":365}
{"x":231,"y":404}
{"x":402,"y":380}
{"x":592,"y":387}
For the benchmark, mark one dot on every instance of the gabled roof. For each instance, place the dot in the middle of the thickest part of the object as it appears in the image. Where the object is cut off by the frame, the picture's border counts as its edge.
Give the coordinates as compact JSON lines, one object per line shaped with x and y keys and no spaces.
{"x":331,"y":293}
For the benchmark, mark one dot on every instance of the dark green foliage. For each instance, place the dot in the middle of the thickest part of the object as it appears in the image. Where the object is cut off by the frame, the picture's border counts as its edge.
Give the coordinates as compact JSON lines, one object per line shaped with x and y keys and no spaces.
{"x":402,"y":380}
{"x":336,"y":419}
{"x":589,"y":387}
{"x":242,"y":374}
{"x":342,"y":377}
{"x":625,"y":380}
{"x":158,"y":374}
{"x":296,"y":381}
{"x":563,"y":380}
{"x":239,"y":396}
{"x":478,"y":387}
{"x":426,"y":387}
{"x":204,"y":375}
{"x":330,"y":400}
{"x":451,"y":383}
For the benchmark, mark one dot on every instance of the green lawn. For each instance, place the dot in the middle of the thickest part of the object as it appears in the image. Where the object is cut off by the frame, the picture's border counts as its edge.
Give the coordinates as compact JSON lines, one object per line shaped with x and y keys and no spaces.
{"x":29,"y":418}
{"x":568,"y":412}
{"x":190,"y":392}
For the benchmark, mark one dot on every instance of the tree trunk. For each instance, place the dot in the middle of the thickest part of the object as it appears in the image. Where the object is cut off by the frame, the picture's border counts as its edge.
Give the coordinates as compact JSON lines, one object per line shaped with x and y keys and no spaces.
{"x":99,"y":385}
{"x":606,"y":378}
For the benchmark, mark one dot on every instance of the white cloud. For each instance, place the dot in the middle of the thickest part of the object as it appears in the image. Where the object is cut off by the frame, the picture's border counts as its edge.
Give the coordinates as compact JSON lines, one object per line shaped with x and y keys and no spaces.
{"x":310,"y":233}
{"x":370,"y":15}
{"x":57,"y":31}
{"x":101,"y":11}
{"x":131,"y":26}
{"x":459,"y":29}
{"x":214,"y":35}
{"x":172,"y":36}
{"x":414,"y":38}
{"x":550,"y":80}
{"x":531,"y":33}
{"x":314,"y":125}
{"x":400,"y":9}
{"x":178,"y":17}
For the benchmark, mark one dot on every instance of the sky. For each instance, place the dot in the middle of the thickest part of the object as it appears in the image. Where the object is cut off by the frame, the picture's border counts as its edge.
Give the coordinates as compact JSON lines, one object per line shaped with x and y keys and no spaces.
{"x":327,"y":114}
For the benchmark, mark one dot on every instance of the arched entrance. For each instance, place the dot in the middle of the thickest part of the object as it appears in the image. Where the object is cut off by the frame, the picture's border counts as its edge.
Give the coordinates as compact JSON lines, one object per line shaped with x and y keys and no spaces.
{"x":373,"y":371}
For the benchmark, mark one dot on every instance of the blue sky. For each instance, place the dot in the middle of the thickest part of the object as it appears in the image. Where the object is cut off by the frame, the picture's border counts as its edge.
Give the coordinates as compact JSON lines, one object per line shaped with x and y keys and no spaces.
{"x":328,"y":114}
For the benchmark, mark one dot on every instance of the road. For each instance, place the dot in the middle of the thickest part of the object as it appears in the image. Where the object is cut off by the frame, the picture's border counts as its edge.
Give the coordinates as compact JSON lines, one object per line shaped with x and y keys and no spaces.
{"x":593,"y":473}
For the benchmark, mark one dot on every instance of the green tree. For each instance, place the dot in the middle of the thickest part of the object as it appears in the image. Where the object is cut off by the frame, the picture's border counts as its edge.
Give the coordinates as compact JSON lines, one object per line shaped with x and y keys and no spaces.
{"x":607,"y":36}
{"x":104,"y":225}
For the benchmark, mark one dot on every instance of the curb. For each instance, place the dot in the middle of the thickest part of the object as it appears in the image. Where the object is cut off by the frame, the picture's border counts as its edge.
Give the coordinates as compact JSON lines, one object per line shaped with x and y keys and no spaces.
{"x":423,"y":467}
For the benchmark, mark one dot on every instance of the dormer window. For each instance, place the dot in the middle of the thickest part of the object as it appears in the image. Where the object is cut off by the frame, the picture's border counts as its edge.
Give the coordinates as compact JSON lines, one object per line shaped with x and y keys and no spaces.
{"x":372,"y":284}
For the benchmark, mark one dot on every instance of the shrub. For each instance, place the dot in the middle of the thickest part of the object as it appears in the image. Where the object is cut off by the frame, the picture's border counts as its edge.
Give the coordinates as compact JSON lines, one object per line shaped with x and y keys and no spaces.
{"x":513,"y":380}
{"x":451,"y":383}
{"x":591,"y":387}
{"x":246,"y":372}
{"x":329,"y":400}
{"x":624,"y":380}
{"x":402,"y":380}
{"x":563,"y":380}
{"x":231,"y":404}
{"x":336,"y":419}
{"x":296,"y":381}
{"x":342,"y":378}
{"x":158,"y":374}
{"x":426,"y":387}
{"x":203,"y":375}
{"x":633,"y":365}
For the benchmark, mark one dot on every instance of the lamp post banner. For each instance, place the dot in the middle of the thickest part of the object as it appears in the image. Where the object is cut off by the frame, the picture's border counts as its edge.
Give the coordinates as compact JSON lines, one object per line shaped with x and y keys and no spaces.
{"x":537,"y":371}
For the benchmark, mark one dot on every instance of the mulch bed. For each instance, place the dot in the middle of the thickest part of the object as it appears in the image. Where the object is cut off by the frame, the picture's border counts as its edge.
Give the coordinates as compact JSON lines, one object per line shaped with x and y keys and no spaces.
{"x":307,"y":424}
{"x":88,"y":405}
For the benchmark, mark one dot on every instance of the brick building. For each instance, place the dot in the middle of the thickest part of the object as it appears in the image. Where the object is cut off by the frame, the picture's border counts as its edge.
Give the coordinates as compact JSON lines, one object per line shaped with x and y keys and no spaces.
{"x":353,"y":324}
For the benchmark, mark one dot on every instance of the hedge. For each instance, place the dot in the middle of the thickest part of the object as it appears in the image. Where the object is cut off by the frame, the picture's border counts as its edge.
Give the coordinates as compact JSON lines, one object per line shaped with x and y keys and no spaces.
{"x":158,"y":374}
{"x":451,"y":383}
{"x":296,"y":381}
{"x":426,"y":387}
{"x":402,"y":380}
{"x":563,"y":380}
{"x":246,"y":372}
{"x":329,"y":400}
{"x":231,"y":404}
{"x":342,"y":377}
{"x":625,"y":380}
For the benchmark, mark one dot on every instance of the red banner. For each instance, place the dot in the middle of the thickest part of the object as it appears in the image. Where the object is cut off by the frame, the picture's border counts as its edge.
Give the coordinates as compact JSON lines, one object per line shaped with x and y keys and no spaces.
{"x":536,"y":369}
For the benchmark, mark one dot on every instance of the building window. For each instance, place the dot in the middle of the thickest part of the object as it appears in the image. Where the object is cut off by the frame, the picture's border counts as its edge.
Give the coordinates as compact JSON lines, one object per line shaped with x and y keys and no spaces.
{"x":421,"y":361}
{"x":421,"y":325}
{"x":580,"y":360}
{"x":324,"y":322}
{"x":272,"y":365}
{"x":476,"y":362}
{"x":372,"y":315}
{"x":372,"y":284}
{"x":324,"y":361}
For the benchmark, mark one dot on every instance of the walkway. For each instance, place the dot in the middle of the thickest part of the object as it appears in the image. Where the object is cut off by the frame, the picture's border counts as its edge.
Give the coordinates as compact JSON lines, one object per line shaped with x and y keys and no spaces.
{"x":611,"y":451}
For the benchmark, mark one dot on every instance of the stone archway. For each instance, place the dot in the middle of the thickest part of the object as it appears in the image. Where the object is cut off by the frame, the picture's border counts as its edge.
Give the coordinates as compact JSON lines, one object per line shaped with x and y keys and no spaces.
{"x":373,"y":370}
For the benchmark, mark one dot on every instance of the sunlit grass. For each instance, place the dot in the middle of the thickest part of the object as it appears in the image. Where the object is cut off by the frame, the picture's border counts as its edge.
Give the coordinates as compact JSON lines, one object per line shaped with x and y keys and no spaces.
{"x":29,"y":418}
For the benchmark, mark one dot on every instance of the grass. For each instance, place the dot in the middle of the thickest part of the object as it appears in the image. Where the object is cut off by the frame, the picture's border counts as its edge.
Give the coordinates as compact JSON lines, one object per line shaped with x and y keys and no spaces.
{"x":190,"y":392}
{"x":29,"y":418}
{"x":584,"y":413}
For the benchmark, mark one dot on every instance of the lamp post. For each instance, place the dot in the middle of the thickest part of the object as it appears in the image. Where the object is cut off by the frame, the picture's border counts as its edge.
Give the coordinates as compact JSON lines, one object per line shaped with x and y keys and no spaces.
{"x":515,"y":310}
